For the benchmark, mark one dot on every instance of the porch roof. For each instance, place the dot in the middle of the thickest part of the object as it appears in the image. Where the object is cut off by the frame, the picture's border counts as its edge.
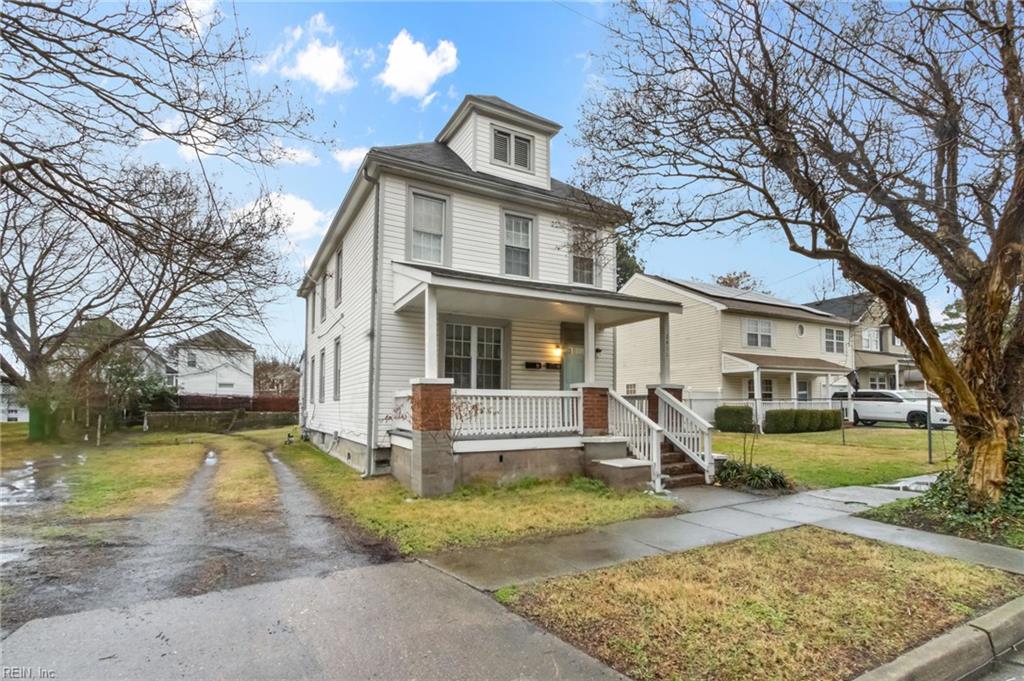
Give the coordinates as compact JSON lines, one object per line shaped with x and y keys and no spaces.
{"x":811,"y":364}
{"x":880,"y":360}
{"x":484,"y":295}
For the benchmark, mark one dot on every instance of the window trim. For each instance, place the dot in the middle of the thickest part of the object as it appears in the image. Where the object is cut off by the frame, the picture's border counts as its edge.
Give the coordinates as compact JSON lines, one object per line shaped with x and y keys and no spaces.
{"x":764,"y":381}
{"x":825,"y":341}
{"x":864,"y":335}
{"x":191,"y":359}
{"x":336,"y":370}
{"x":312,"y":379}
{"x":771,"y":333}
{"x":598,"y":270}
{"x":323,"y":297}
{"x":322,"y":392}
{"x":513,"y":134}
{"x":534,"y":241}
{"x":312,"y":309}
{"x":446,"y":227}
{"x":506,"y":342}
{"x":338,"y":269}
{"x":897,"y":342}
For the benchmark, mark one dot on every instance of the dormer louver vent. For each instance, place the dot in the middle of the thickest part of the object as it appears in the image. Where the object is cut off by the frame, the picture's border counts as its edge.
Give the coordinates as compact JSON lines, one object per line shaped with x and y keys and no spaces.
{"x":501,"y":142}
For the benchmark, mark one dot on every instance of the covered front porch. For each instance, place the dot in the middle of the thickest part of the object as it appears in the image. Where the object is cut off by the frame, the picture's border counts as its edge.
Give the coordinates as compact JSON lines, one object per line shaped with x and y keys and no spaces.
{"x":877,"y":371}
{"x":526,"y":366}
{"x":768,"y":382}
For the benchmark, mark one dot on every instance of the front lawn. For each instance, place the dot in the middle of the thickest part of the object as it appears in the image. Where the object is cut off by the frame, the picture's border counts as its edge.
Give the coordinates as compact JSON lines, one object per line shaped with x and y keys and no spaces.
{"x":870,"y":455}
{"x":471,"y":516}
{"x":804,"y":603}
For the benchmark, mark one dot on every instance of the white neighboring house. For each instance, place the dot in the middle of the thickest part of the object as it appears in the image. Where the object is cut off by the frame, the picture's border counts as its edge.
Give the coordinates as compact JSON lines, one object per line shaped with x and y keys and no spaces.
{"x":735,"y":346}
{"x":214,"y":363}
{"x":461,"y":259}
{"x":11,"y":409}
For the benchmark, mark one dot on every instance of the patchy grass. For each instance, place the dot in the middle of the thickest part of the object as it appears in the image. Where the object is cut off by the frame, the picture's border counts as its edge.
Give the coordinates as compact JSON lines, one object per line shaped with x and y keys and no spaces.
{"x":16,"y":450}
{"x":804,"y":603}
{"x":131,"y":474}
{"x":471,"y":516}
{"x":244,"y":484}
{"x":870,"y":455}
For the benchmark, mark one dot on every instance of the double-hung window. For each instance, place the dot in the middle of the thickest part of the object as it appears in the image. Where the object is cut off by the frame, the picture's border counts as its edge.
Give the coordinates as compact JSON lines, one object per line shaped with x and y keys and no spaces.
{"x":323,"y":298}
{"x":758,"y":333}
{"x":835,"y":341}
{"x":896,"y":341}
{"x":767,"y":389}
{"x":511,"y":149}
{"x":320,"y":377}
{"x":337,"y":370}
{"x":584,"y":256}
{"x":518,"y":245}
{"x":312,"y":381}
{"x":312,"y":309}
{"x":871,"y":339}
{"x":337,"y":278}
{"x":429,"y":216}
{"x":473,"y":355}
{"x":190,"y":358}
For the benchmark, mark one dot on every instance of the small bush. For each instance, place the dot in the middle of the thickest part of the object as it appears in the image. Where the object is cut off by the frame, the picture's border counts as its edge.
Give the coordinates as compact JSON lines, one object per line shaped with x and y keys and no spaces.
{"x":834,"y":420}
{"x":779,"y":421}
{"x":754,"y":476}
{"x":813,"y":420}
{"x":589,"y":485}
{"x":734,"y":419}
{"x":801,"y":419}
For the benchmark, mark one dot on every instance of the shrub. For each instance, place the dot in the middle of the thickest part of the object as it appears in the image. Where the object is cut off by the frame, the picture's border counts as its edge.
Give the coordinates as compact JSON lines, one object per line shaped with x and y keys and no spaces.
{"x":813,"y":420}
{"x":754,"y":476}
{"x":801,"y":419}
{"x":779,"y":421}
{"x":832,"y":419}
{"x":734,"y":419}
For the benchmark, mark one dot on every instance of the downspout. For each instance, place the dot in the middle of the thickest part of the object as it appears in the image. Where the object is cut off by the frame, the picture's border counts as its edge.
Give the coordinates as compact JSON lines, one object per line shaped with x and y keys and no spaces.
{"x":373,"y":379}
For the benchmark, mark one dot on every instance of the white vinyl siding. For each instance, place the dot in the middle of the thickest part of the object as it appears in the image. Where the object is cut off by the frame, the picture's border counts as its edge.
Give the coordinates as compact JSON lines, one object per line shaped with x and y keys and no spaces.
{"x":538,"y":173}
{"x":835,"y":341}
{"x":757,"y":333}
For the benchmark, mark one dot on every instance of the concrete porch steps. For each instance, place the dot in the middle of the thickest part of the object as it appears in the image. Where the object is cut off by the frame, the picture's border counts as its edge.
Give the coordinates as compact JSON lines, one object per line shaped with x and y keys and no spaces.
{"x":680,"y":470}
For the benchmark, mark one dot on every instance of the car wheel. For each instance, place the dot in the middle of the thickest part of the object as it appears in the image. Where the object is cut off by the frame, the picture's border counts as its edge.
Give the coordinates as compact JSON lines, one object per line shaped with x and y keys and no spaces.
{"x":917,"y":420}
{"x":869,"y":423}
{"x":856,"y":419}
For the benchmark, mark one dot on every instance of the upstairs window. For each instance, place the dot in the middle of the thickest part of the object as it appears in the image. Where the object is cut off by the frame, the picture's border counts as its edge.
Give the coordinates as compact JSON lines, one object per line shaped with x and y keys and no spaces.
{"x":320,"y":377}
{"x":835,"y":341}
{"x":758,"y":333}
{"x":312,"y":379}
{"x":312,"y":309}
{"x":428,"y":221}
{"x":871,"y":339}
{"x":337,"y":278}
{"x":190,"y":358}
{"x":323,"y":298}
{"x":513,"y":150}
{"x":518,"y":245}
{"x":337,"y":369}
{"x":584,"y":252}
{"x":896,"y":342}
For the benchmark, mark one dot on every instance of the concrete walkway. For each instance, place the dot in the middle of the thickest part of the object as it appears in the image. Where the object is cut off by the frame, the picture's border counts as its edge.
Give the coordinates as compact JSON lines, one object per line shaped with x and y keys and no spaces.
{"x":397,"y":621}
{"x":718,"y":515}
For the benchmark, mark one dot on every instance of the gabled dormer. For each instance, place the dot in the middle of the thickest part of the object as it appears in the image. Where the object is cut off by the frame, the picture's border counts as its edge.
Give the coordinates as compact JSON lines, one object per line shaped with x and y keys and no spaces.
{"x":498,"y":138}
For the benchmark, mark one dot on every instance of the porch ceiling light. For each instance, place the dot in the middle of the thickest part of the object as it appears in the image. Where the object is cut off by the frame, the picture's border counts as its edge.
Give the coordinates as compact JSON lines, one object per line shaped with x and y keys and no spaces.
{"x":558,"y":350}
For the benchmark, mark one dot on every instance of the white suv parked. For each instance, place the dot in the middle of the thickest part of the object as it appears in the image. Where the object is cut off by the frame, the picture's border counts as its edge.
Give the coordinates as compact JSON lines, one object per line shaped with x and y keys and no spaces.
{"x":898,"y":406}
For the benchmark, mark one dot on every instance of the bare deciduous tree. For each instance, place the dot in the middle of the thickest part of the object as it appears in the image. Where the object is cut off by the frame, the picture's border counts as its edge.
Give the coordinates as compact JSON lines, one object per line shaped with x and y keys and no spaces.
{"x":88,"y":232}
{"x":887,"y":140}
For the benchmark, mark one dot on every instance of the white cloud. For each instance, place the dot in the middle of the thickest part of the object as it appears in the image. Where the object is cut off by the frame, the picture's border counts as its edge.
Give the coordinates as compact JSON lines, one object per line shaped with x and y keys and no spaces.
{"x":349,"y":159}
{"x":411,"y":71}
{"x":302,"y":219}
{"x":368,"y":56}
{"x":297,"y":156}
{"x":323,"y":64}
{"x":196,"y":16}
{"x":202,"y":140}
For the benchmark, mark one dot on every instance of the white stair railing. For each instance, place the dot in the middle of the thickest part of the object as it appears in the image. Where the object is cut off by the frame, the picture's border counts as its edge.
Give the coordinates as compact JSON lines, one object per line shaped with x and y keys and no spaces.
{"x":643,"y":436}
{"x":685,"y":429}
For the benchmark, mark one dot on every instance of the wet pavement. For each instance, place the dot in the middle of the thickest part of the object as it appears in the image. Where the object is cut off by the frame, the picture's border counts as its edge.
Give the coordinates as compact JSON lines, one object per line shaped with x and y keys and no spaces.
{"x":182,"y":549}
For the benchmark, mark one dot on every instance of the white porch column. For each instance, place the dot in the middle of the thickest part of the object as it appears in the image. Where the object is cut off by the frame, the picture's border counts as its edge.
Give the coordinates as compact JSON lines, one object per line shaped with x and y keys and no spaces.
{"x":896,"y":370}
{"x":430,"y":333}
{"x":757,"y":396}
{"x":666,"y":369}
{"x":589,"y":345}
{"x":792,"y":389}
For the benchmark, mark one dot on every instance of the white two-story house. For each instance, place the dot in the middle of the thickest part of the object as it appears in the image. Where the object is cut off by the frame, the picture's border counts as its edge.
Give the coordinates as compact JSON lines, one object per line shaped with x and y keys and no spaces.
{"x":212,"y":364}
{"x":736,"y":346}
{"x":460,"y":258}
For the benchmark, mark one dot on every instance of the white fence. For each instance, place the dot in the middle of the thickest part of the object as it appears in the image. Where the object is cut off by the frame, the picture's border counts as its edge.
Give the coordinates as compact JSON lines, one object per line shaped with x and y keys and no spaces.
{"x":705,"y":406}
{"x":515,"y":412}
{"x":643,"y":436}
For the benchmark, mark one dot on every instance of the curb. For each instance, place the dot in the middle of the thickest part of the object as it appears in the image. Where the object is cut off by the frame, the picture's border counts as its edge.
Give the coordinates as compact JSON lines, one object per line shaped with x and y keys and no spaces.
{"x":961,"y":652}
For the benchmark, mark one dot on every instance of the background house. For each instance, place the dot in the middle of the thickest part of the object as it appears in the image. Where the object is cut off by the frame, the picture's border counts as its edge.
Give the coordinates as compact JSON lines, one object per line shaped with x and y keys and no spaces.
{"x":11,"y":408}
{"x":212,"y":364}
{"x":731,"y":345}
{"x":881,"y":360}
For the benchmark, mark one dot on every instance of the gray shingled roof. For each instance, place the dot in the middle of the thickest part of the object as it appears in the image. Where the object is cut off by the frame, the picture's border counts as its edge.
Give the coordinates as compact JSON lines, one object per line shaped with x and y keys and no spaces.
{"x":499,"y":102}
{"x":850,"y":307}
{"x":215,"y":340}
{"x":437,"y":155}
{"x":746,"y":301}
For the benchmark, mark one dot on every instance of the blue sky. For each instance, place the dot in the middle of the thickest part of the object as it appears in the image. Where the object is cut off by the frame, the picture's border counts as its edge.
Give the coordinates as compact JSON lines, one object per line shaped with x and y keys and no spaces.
{"x":392,"y":73}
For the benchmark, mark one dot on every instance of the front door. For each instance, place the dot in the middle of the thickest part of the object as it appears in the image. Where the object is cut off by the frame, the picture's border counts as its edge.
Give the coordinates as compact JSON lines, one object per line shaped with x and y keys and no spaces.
{"x":572,"y":355}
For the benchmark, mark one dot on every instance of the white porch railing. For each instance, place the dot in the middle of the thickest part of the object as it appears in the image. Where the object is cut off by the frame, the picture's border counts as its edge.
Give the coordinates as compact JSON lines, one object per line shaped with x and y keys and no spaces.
{"x":690,"y":433}
{"x":638,"y":401}
{"x":515,"y":412}
{"x":643,"y":436}
{"x":401,"y":417}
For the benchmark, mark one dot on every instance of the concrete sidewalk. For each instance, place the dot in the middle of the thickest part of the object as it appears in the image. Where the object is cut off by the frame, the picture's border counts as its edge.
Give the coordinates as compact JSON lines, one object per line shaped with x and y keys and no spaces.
{"x":719,"y":515}
{"x":396,"y":621}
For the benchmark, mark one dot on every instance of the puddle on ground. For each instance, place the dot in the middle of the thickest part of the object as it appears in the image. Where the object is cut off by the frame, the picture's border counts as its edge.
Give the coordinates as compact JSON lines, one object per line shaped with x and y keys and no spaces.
{"x":211,"y":458}
{"x":35,"y":483}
